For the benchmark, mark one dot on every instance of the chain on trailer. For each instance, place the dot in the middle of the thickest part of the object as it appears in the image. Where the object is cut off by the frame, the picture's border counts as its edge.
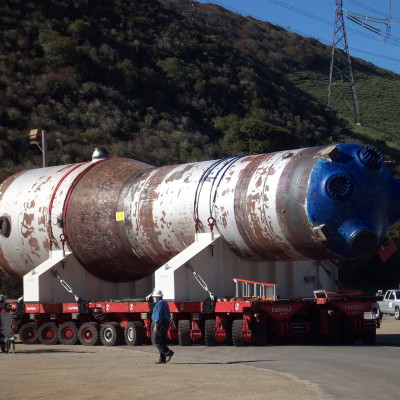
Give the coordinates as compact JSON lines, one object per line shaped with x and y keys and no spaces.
{"x":66,"y":286}
{"x":202,"y":283}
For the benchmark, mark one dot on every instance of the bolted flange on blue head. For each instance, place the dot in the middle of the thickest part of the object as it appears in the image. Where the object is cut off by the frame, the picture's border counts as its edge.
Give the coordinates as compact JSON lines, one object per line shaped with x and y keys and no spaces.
{"x":355,"y":198}
{"x":371,"y":156}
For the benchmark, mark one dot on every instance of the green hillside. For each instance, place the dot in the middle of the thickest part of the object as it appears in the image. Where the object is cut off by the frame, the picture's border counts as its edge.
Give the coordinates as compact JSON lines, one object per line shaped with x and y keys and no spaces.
{"x":148,"y":83}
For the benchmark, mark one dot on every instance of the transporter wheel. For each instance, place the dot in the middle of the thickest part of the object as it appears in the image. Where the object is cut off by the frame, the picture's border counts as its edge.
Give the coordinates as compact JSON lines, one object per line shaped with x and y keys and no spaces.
{"x":88,"y":334}
{"x":237,"y":328}
{"x":184,"y":328}
{"x":314,"y":336}
{"x":335,"y":331}
{"x":134,"y":333}
{"x":397,"y":313}
{"x":378,"y":314}
{"x":369,"y":337}
{"x":209,"y":332}
{"x":68,"y":333}
{"x":111,"y":334}
{"x":28,"y":333}
{"x":260,"y":333}
{"x":47,"y":333}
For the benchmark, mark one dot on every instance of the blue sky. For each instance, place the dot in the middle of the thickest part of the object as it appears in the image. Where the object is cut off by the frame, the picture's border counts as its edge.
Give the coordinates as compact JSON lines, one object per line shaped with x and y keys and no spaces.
{"x":316,"y":18}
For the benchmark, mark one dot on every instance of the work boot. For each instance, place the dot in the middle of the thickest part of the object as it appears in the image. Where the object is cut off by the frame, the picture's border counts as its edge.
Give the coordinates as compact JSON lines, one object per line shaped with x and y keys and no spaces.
{"x":169,"y":356}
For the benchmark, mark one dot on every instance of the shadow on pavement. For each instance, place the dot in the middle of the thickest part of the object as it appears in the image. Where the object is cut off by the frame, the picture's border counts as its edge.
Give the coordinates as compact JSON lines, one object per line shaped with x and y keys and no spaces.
{"x":221,"y":363}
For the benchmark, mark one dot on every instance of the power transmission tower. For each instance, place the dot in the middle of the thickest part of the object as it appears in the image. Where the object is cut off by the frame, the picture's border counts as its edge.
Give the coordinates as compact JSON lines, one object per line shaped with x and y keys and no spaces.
{"x":362,"y":20}
{"x":186,"y":7}
{"x":341,"y":79}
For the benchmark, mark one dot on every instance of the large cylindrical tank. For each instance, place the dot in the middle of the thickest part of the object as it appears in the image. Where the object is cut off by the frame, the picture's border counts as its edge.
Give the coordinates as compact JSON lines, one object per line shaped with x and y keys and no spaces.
{"x":123,"y":219}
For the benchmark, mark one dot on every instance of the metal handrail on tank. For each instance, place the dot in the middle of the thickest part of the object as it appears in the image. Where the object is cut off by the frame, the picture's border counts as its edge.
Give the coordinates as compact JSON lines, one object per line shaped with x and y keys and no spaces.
{"x":259,"y":289}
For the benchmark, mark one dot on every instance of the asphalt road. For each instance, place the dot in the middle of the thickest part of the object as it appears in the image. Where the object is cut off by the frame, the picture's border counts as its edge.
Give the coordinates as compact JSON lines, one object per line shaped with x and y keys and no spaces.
{"x":341,"y":372}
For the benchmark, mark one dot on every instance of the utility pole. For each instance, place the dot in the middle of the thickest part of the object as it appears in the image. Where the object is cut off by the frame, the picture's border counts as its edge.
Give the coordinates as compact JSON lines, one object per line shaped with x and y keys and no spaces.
{"x":341,"y":79}
{"x":34,"y":137}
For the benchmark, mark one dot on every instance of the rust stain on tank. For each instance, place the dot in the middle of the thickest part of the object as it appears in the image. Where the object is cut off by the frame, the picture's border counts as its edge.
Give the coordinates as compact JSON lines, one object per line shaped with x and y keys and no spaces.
{"x":178,"y":175}
{"x":42,"y":220}
{"x":47,"y":244}
{"x":28,"y":219}
{"x":39,"y":186}
{"x":66,"y":168}
{"x":30,"y":205}
{"x":224,"y":220}
{"x":33,"y":242}
{"x":252,"y":200}
{"x":249,"y":223}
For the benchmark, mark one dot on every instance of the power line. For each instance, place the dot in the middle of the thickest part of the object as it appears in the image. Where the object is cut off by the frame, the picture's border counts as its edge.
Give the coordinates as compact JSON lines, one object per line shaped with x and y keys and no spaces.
{"x":357,"y":3}
{"x":393,"y":41}
{"x":325,"y":41}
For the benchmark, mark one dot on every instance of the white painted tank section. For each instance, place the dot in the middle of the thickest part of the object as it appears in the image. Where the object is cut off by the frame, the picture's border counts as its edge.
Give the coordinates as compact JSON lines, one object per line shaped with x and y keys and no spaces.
{"x":262,"y":190}
{"x":173,"y":199}
{"x":27,"y":202}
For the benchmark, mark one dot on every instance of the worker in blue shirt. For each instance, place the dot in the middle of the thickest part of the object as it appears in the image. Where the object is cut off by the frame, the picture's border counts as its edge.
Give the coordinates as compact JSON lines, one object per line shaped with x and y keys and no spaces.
{"x":161,"y":317}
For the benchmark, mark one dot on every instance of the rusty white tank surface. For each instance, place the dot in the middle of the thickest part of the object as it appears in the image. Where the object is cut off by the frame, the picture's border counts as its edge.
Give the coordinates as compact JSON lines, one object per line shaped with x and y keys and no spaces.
{"x":123,"y":219}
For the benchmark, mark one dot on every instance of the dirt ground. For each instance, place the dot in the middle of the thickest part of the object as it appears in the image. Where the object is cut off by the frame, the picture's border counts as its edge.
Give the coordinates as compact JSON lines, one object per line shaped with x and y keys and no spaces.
{"x":79,"y":372}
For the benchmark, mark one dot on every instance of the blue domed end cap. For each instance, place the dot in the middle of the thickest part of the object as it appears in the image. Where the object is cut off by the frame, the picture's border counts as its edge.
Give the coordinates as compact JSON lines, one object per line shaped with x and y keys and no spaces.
{"x":371,"y":156}
{"x":354,"y":198}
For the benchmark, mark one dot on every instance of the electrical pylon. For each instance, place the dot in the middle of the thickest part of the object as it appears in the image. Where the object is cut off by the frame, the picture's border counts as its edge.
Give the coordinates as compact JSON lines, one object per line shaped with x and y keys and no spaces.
{"x":341,"y":79}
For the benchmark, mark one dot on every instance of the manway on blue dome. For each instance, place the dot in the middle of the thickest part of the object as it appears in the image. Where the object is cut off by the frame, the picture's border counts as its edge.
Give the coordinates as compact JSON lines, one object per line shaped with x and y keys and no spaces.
{"x":358,"y":200}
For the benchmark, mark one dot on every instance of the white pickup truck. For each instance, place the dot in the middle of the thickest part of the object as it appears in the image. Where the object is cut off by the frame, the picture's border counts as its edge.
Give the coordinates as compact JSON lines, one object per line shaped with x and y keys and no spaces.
{"x":390,"y":304}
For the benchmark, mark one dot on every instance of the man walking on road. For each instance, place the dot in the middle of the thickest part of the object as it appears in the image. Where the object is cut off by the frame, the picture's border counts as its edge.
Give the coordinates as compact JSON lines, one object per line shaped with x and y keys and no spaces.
{"x":161,"y":317}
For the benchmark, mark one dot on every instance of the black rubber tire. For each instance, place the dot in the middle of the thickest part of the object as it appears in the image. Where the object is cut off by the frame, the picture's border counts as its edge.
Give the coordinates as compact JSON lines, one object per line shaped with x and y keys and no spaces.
{"x":369,"y":337}
{"x":209,"y":332}
{"x":28,"y":333}
{"x":88,"y":334}
{"x":47,"y":333}
{"x":335,"y":334}
{"x":314,"y":335}
{"x":184,"y":329}
{"x":134,"y":333}
{"x":349,"y":337}
{"x":111,"y":334}
{"x":237,"y":328}
{"x":260,"y":333}
{"x":378,"y":314}
{"x":299,"y":339}
{"x":68,"y":333}
{"x":397,"y":313}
